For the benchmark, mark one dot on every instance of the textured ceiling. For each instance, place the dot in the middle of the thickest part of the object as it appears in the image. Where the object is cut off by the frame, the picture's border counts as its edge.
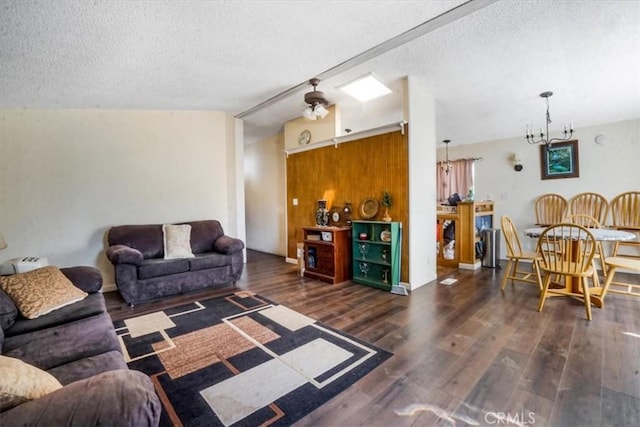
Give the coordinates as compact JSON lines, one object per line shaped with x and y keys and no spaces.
{"x":485,"y":69}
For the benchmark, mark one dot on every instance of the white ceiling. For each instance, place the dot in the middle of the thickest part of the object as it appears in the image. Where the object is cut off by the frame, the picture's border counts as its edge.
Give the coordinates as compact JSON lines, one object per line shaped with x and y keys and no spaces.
{"x":485,"y":69}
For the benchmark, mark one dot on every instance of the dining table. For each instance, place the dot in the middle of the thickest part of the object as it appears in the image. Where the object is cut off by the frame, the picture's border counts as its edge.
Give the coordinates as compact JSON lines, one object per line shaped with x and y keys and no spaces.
{"x":599,"y":234}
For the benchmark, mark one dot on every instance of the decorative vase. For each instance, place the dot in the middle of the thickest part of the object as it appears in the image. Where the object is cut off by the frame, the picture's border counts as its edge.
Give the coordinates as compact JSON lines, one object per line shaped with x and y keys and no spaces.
{"x":322,"y":213}
{"x":386,"y":216}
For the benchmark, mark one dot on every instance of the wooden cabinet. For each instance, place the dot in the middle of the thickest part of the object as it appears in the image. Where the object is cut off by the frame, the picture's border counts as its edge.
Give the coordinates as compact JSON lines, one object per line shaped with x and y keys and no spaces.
{"x":376,"y":253}
{"x":458,"y":246}
{"x":448,"y":236}
{"x":327,"y":253}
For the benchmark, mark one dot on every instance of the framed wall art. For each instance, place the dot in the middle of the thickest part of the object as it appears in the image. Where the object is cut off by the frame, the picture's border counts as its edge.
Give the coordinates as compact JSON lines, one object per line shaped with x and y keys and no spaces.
{"x":559,"y":160}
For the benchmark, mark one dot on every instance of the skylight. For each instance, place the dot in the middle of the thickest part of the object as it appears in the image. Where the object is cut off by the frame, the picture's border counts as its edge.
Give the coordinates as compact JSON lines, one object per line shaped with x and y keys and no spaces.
{"x":365,"y":88}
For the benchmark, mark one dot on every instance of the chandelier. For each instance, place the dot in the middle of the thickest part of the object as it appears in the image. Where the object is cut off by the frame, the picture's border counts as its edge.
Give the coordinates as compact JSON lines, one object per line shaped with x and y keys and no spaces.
{"x":447,"y":164}
{"x":316,"y":100}
{"x":543,"y":138}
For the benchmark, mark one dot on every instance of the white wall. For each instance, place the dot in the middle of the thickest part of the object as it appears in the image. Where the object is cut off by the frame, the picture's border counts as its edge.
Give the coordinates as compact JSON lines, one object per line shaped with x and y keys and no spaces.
{"x":421,"y":115}
{"x":265,"y":189}
{"x":606,"y":169}
{"x":66,"y":176}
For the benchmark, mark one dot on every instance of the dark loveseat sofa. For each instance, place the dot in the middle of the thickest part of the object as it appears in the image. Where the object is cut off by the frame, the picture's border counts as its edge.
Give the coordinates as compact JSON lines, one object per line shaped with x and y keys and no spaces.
{"x":78,"y":346}
{"x":142,"y":273}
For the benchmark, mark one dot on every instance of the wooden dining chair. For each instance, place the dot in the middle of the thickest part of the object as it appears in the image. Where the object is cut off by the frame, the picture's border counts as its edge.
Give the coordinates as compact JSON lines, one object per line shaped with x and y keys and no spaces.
{"x":625,"y":215}
{"x":588,"y":221}
{"x":619,"y":287}
{"x":515,"y":254}
{"x":592,"y":204}
{"x":550,"y":209}
{"x":575,"y":264}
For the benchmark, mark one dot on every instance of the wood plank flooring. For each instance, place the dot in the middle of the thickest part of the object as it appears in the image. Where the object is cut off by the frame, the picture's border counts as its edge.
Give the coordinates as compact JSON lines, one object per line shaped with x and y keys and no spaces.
{"x":463,"y":354}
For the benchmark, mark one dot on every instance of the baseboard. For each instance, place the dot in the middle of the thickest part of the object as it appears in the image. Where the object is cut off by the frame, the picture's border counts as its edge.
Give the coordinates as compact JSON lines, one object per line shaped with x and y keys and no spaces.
{"x":465,"y":266}
{"x":291,"y":260}
{"x":109,"y":287}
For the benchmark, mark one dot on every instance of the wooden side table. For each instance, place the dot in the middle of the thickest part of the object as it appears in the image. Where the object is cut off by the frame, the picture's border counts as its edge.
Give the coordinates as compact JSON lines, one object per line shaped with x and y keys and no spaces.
{"x":327,"y":253}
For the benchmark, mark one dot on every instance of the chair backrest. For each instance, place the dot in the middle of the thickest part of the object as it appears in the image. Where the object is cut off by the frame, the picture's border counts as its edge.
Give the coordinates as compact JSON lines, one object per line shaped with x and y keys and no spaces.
{"x":584,"y":220}
{"x":625,"y":210}
{"x":578,"y":248}
{"x":550,"y":209}
{"x":510,"y":233}
{"x":593,"y":204}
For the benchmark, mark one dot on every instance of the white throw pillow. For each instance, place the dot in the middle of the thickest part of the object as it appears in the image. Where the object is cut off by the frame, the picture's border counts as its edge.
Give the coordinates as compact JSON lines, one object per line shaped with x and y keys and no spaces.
{"x":177,"y":241}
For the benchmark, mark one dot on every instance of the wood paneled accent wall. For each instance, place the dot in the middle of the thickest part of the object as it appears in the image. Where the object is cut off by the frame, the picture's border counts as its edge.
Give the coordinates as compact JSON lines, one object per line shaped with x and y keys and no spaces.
{"x":351,"y":172}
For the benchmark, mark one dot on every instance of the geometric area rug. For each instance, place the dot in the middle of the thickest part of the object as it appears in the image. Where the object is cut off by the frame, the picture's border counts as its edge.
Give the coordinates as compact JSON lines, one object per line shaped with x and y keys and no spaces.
{"x":242,"y":360}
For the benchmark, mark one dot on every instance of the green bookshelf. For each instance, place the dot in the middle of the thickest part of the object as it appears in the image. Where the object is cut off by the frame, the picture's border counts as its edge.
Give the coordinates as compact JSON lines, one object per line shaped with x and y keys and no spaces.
{"x":376,"y":253}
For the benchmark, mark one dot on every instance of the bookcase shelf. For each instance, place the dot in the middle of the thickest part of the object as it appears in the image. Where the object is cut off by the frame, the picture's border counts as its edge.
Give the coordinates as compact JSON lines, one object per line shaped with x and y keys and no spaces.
{"x":327,"y":253}
{"x":376,"y":253}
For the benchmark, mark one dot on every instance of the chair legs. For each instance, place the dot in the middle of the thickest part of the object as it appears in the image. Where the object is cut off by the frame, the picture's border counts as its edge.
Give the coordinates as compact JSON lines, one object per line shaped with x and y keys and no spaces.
{"x":584,"y":284}
{"x":506,"y":274}
{"x":603,"y":264}
{"x":607,"y":281}
{"x":625,"y":263}
{"x":587,"y":297}
{"x":545,"y":291}
{"x":596,"y":278}
{"x":511,"y":272}
{"x":536,"y":268}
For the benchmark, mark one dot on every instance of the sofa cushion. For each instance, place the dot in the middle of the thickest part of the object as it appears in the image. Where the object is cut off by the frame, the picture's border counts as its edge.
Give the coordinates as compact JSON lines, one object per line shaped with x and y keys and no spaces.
{"x":145,"y":238}
{"x":22,"y":382}
{"x":209,"y":260}
{"x":177,"y":241}
{"x":63,"y":344}
{"x":8,"y":311}
{"x":88,"y":367}
{"x":162,"y":267}
{"x":40,"y":291}
{"x":204,"y":234}
{"x":90,"y":306}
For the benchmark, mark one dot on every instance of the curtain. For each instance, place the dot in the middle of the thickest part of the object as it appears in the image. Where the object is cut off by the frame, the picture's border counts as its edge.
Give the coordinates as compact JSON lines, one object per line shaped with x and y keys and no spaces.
{"x":458,"y":180}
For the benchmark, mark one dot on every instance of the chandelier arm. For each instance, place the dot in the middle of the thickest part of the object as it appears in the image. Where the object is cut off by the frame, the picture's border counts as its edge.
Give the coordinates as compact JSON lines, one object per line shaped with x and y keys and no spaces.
{"x":531,"y":137}
{"x":567,"y":136}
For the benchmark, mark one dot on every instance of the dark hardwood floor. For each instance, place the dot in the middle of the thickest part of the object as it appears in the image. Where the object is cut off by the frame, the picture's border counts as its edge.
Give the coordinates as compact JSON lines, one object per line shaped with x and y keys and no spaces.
{"x":463,"y":354}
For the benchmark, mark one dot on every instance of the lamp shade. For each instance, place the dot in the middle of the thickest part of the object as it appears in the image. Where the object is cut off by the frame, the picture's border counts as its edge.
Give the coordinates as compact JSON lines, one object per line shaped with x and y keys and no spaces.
{"x":309,"y":114}
{"x":320,"y":111}
{"x":3,"y":243}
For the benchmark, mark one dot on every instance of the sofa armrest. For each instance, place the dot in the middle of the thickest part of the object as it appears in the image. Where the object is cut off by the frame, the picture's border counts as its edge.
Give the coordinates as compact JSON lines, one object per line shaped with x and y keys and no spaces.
{"x":113,"y":398}
{"x":89,"y":279}
{"x":228,"y":245}
{"x":121,"y":254}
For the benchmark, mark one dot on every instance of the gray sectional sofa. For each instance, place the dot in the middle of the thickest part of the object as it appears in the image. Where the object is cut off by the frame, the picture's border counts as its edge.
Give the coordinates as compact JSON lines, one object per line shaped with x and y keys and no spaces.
{"x":142,"y":273}
{"x":78,"y":346}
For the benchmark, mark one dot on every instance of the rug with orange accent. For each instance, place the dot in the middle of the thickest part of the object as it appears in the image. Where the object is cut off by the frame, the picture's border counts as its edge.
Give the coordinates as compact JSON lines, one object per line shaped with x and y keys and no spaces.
{"x":242,"y":360}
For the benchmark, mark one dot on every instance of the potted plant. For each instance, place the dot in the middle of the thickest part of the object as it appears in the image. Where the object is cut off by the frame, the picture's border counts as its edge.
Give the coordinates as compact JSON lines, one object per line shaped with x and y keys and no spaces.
{"x":386,"y":202}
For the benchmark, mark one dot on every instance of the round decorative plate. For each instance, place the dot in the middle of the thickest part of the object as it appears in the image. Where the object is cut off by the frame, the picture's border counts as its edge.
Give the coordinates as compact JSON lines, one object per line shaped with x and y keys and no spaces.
{"x":368,"y":208}
{"x":385,"y":236}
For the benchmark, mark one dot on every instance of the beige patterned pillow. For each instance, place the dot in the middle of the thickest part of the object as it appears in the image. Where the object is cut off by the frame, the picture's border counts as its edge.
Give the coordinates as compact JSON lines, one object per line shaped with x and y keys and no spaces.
{"x":177,"y":241}
{"x":22,"y":382}
{"x":40,"y":291}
